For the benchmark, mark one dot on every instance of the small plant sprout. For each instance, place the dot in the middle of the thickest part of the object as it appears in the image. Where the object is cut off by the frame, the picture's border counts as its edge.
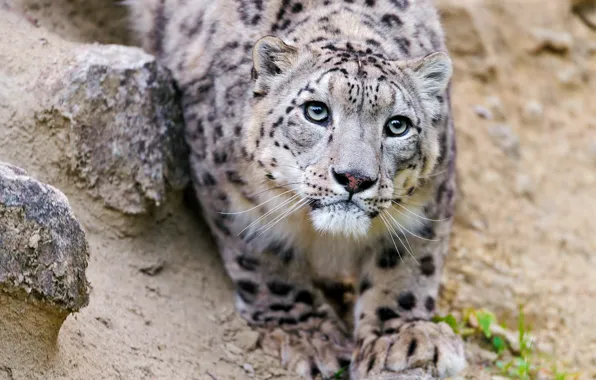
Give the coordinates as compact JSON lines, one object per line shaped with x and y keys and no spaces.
{"x":516,"y":354}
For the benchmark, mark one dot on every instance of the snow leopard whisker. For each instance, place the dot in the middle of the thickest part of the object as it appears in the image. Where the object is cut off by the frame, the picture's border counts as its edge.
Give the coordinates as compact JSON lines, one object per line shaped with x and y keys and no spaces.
{"x":400,"y":227}
{"x":295,"y":207}
{"x":408,"y":231}
{"x":418,"y":215}
{"x":275,"y":188}
{"x":257,"y":206}
{"x":391,"y":232}
{"x":436,"y":174}
{"x":270,"y":212}
{"x":398,"y":238}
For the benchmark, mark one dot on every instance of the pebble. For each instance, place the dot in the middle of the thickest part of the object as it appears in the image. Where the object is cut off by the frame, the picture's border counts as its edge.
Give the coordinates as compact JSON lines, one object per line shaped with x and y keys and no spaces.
{"x":495,"y":107}
{"x":233,"y":349}
{"x":506,"y":139}
{"x":571,"y":77}
{"x":247,"y":340}
{"x":546,"y":39}
{"x":480,"y":355}
{"x":153,"y":269}
{"x":34,"y":241}
{"x":483,"y":112}
{"x":533,"y":112}
{"x":524,"y":186}
{"x":249,"y":369}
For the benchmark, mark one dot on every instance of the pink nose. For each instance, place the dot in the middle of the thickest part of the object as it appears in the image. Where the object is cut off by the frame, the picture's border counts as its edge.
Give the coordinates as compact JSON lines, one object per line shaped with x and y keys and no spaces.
{"x":353,"y":182}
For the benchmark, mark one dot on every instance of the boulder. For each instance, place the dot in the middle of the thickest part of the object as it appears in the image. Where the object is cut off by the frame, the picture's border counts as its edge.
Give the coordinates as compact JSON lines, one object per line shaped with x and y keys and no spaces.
{"x":125,"y":127}
{"x":43,"y":258}
{"x":43,"y":250}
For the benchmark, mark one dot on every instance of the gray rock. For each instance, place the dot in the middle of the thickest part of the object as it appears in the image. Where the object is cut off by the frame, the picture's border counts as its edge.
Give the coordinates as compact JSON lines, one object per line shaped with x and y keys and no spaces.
{"x":43,"y":250}
{"x":483,"y":112}
{"x":496,"y":108}
{"x":125,"y":126}
{"x":506,"y":139}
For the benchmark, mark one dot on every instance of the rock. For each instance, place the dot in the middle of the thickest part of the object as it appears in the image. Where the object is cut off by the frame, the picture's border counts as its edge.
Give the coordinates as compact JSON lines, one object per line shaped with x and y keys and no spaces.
{"x":460,"y":19}
{"x":43,"y":250}
{"x":506,"y":139}
{"x":586,"y":12}
{"x":233,"y":349}
{"x":571,"y":77}
{"x":483,"y":112}
{"x":43,"y":258}
{"x":249,"y":369}
{"x":477,"y":355}
{"x":495,"y":106}
{"x":125,"y":127}
{"x":78,"y":20}
{"x":549,"y":40}
{"x":410,"y":374}
{"x":533,"y":112}
{"x":524,"y":186}
{"x":466,"y":38}
{"x":153,"y":269}
{"x":247,"y":339}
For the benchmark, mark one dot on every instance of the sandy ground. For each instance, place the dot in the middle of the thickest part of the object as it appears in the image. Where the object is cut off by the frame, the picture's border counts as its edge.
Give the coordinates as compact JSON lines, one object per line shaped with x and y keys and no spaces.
{"x":524,"y":233}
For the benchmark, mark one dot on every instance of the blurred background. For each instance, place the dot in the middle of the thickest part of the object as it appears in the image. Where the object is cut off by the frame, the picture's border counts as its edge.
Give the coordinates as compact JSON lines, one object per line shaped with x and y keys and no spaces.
{"x":525,"y":235}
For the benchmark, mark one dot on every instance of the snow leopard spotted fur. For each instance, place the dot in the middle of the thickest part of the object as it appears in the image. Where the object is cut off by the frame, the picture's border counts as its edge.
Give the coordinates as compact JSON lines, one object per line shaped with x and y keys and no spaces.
{"x":322,"y":154}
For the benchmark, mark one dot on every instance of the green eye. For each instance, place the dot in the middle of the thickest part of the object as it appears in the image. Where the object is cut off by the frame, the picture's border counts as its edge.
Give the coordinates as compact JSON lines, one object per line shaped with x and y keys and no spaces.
{"x":316,"y":112}
{"x":398,"y":126}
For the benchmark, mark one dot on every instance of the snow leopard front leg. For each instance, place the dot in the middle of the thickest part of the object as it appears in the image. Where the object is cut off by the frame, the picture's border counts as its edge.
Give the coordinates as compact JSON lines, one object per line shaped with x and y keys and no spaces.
{"x":276,"y":295}
{"x":398,"y":292}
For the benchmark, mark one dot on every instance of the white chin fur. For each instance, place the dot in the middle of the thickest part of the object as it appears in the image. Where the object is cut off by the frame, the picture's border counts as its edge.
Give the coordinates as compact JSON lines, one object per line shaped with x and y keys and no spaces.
{"x":350,"y":222}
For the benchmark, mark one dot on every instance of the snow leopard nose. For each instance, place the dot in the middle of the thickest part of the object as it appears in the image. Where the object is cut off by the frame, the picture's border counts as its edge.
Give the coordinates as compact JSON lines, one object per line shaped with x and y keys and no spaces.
{"x":353,"y":182}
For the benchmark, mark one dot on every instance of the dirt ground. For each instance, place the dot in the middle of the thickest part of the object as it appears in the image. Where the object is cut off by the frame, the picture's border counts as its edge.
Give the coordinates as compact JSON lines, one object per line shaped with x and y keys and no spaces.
{"x":524,"y":233}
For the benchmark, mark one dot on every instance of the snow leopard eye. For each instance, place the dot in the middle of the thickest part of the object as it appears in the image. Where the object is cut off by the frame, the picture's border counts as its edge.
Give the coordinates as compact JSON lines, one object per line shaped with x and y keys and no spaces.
{"x":398,"y":126}
{"x":317,"y":112}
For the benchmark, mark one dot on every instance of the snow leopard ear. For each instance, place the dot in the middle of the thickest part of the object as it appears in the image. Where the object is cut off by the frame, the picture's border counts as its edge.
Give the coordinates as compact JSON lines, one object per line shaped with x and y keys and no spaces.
{"x":433,"y":73}
{"x":271,"y":57}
